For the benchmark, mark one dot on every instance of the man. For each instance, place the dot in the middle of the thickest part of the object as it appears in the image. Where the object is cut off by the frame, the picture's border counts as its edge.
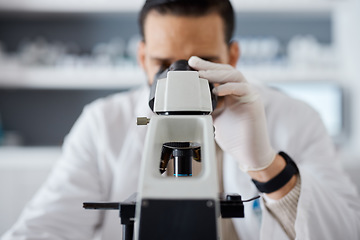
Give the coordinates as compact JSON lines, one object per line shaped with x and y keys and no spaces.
{"x":312,"y":198}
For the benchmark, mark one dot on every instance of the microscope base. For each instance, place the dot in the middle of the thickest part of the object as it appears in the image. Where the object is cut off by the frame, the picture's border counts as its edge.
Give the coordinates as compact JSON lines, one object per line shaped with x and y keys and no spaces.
{"x":178,"y":219}
{"x":174,"y":219}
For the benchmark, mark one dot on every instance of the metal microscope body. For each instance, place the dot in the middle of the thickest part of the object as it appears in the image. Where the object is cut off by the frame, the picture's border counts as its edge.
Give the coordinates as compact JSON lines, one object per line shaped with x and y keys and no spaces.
{"x":185,"y":207}
{"x":174,"y":207}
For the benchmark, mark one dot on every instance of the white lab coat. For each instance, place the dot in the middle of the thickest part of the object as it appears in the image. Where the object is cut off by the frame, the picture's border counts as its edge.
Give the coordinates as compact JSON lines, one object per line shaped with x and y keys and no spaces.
{"x":102,"y":156}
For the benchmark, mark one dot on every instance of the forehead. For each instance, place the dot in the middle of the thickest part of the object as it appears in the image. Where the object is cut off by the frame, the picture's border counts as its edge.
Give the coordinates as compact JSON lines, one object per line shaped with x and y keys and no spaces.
{"x":187,"y":34}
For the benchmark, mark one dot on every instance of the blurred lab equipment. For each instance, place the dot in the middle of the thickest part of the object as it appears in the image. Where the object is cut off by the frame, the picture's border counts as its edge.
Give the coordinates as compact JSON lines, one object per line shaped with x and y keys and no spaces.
{"x":301,"y":51}
{"x":306,"y":52}
{"x":107,"y":54}
{"x":40,"y":52}
{"x":259,"y":50}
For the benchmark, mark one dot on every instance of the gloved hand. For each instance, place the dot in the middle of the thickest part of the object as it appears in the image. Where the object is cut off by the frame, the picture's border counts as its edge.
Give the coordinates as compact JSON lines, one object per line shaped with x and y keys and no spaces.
{"x":240,"y":128}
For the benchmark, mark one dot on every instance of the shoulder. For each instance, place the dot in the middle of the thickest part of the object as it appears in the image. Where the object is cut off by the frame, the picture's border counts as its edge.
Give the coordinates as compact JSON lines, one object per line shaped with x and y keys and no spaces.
{"x":293,"y":125}
{"x":109,"y":119}
{"x":285,"y":108}
{"x":123,"y":104}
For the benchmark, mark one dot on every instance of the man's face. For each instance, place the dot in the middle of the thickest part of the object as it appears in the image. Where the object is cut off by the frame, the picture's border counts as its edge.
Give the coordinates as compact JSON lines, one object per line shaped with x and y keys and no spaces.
{"x":169,"y":38}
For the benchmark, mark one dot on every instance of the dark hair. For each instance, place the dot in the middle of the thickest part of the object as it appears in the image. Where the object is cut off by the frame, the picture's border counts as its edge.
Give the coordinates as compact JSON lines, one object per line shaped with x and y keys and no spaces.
{"x":191,"y":8}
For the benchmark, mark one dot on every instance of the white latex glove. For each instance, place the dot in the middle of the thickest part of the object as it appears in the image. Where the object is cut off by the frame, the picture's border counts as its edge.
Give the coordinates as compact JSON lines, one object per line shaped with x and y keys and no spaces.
{"x":240,"y":128}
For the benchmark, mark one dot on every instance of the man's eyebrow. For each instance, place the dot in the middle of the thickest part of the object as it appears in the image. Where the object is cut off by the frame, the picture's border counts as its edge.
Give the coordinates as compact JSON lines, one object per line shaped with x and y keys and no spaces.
{"x":171,"y":60}
{"x":210,"y":58}
{"x":161,"y":59}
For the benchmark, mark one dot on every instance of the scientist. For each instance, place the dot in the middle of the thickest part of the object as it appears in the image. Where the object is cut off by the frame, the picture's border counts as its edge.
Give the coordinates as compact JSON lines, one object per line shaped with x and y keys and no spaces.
{"x":261,"y":135}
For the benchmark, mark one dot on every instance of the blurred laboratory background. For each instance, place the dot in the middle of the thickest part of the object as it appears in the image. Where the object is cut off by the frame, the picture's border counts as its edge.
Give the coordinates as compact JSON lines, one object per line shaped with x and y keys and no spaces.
{"x":58,"y":56}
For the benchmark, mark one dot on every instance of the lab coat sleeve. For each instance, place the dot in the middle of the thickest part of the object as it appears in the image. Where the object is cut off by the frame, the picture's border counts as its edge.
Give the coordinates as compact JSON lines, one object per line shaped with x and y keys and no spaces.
{"x":56,"y":210}
{"x":329,"y":205}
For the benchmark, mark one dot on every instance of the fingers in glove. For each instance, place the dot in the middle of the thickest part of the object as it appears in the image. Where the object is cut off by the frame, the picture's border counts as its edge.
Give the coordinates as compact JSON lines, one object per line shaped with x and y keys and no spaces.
{"x":241,"y":90}
{"x":237,"y":89}
{"x":201,"y":64}
{"x":222,"y":76}
{"x":216,"y":72}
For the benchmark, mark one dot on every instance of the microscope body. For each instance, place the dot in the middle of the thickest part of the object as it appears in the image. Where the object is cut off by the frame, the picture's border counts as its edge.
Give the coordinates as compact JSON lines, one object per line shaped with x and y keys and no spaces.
{"x":179,"y":207}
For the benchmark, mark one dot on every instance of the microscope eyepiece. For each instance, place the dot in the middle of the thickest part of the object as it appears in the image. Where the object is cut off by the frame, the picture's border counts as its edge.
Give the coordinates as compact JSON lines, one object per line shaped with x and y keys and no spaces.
{"x":180,"y":65}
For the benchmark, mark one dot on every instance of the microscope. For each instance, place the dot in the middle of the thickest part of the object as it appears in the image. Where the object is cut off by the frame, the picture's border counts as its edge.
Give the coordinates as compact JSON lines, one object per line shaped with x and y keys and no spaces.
{"x":172,"y":203}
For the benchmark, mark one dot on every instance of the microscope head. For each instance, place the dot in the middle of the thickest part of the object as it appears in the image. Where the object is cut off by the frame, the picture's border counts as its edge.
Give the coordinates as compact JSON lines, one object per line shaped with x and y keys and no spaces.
{"x":178,"y":90}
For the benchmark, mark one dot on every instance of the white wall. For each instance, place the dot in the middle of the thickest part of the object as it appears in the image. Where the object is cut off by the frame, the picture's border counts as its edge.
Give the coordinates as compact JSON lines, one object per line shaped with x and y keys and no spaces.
{"x":347,"y":40}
